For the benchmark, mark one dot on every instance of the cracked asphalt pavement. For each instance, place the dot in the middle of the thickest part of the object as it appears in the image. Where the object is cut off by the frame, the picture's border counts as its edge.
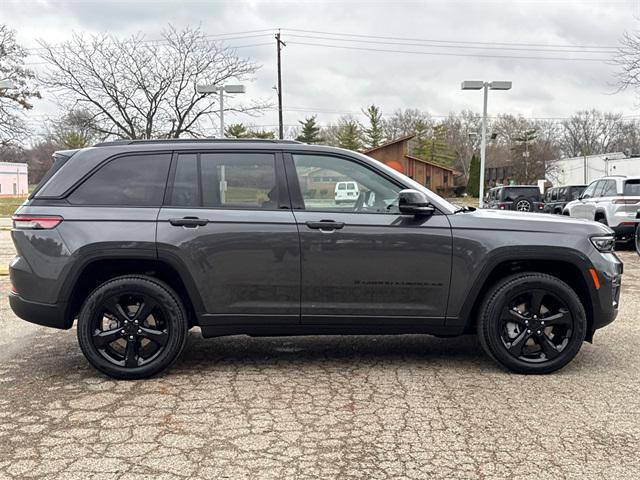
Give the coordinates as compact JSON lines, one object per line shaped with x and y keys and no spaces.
{"x":367,"y":407}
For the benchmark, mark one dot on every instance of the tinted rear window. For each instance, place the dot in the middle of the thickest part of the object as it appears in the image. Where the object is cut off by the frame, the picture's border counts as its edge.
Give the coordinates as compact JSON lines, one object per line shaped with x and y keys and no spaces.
{"x":135,"y":180}
{"x":510,"y":194}
{"x":632,"y":188}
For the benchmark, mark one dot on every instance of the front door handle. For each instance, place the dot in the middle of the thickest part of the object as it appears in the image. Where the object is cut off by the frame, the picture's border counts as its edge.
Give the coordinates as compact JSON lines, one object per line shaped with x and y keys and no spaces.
{"x":326,"y":225}
{"x":189,"y":222}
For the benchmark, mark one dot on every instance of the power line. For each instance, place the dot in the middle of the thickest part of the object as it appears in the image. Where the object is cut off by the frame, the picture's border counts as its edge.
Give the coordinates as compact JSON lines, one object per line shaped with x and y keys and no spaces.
{"x":448,"y":54}
{"x":450,"y":41}
{"x":214,"y":36}
{"x":439,"y":45}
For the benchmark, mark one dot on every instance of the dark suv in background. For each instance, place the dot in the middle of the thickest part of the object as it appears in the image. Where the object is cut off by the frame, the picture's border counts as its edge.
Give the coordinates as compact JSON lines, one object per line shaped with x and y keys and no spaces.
{"x":141,"y":240}
{"x":555,"y":198}
{"x":522,"y":198}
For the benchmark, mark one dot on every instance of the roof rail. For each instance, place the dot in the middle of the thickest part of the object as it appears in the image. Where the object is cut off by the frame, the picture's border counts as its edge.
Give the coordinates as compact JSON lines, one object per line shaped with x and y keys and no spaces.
{"x":113,"y":143}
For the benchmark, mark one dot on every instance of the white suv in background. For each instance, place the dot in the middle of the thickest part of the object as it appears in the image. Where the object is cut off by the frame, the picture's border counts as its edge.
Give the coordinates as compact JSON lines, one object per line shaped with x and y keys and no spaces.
{"x":346,"y":192}
{"x":613,"y":201}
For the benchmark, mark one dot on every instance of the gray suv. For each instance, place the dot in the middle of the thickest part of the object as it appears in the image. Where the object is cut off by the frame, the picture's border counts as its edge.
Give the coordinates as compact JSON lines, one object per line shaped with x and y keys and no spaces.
{"x":139,"y":241}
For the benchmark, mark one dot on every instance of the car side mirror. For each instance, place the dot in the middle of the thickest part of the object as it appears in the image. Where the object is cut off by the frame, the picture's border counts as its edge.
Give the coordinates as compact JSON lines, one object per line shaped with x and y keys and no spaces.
{"x":413,"y":202}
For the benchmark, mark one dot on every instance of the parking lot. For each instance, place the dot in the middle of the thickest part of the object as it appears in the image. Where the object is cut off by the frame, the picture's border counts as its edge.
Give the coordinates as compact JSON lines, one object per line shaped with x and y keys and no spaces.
{"x":364,"y":407}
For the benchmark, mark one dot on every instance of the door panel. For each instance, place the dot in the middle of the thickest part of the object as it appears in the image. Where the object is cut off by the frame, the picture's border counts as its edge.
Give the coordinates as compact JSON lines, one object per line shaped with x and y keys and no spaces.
{"x":364,"y":262}
{"x":378,"y":266}
{"x":245,"y":263}
{"x":227,"y":221}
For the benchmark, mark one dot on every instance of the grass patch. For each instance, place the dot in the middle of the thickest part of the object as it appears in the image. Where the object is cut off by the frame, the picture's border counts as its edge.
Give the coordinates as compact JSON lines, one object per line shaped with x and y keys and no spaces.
{"x":8,"y":205}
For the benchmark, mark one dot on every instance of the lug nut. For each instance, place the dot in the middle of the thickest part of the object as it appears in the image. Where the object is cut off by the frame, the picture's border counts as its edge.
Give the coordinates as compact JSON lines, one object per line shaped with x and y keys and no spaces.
{"x":139,"y":331}
{"x":538,"y":332}
{"x":542,"y":323}
{"x":122,"y":332}
{"x":135,"y":321}
{"x":535,"y":317}
{"x":131,"y":337}
{"x":528,"y":331}
{"x":526,"y":322}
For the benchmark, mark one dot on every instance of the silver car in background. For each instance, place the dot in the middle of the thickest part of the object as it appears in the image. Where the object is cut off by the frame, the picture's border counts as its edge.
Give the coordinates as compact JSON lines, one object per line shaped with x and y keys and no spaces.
{"x":613,"y":201}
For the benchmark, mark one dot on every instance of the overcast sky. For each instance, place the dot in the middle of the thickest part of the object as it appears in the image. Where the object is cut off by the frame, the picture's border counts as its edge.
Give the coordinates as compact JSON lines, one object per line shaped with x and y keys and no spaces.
{"x":330,"y":81}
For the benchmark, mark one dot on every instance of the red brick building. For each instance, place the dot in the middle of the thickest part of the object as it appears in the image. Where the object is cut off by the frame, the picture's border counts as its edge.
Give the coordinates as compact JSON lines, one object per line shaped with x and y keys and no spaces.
{"x":396,"y":154}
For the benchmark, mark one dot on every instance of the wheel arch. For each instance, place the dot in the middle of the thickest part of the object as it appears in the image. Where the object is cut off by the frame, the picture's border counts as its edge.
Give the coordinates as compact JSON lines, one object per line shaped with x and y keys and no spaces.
{"x":97,"y":270}
{"x":571,"y":269}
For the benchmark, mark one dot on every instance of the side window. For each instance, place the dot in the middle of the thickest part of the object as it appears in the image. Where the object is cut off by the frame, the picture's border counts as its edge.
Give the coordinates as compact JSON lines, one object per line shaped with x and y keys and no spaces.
{"x":589,"y":191}
{"x":225,"y":180}
{"x":599,"y":188}
{"x":575,"y":192}
{"x":135,"y":180}
{"x":610,"y":189}
{"x":555,"y":194}
{"x":368,"y":191}
{"x":185,"y":192}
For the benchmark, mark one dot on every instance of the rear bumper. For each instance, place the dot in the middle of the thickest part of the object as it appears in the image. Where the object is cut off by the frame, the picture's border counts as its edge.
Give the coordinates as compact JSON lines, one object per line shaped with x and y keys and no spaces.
{"x":49,"y":315}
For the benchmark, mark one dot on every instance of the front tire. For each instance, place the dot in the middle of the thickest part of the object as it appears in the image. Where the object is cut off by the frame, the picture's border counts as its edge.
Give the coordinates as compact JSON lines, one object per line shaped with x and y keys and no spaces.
{"x":532,"y":323}
{"x":132,"y":327}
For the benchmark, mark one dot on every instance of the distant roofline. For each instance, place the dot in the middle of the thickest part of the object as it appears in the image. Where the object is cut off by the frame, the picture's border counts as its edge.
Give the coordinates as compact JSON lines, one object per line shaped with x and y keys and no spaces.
{"x":114,"y":143}
{"x":390,"y":142}
{"x":429,"y":162}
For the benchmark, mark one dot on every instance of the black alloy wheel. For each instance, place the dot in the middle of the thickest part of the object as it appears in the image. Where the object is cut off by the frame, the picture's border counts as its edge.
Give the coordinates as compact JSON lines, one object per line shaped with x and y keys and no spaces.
{"x":132,"y":327}
{"x":532,"y":323}
{"x":637,"y":241}
{"x":536,"y":326}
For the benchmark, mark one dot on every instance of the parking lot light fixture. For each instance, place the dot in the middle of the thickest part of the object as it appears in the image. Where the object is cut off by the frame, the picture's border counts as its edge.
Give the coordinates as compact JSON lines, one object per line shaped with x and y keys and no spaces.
{"x":221,"y":89}
{"x":486,"y":86}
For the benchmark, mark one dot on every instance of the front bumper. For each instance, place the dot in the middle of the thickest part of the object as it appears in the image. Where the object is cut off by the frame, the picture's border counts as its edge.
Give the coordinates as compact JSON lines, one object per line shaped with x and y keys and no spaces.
{"x":606,"y":299}
{"x":624,"y":232}
{"x":49,"y":315}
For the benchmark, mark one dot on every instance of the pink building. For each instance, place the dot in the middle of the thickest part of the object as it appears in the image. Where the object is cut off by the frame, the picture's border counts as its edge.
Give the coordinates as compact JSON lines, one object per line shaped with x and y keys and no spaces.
{"x":13,"y":179}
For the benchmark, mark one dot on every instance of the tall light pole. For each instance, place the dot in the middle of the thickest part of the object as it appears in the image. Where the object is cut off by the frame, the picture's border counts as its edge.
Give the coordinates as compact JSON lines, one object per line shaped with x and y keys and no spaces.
{"x":221,"y":89}
{"x":481,"y":85}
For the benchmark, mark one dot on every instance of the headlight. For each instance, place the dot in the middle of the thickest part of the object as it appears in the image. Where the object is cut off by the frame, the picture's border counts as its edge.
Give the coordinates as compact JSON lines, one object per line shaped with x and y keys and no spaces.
{"x":604,"y":243}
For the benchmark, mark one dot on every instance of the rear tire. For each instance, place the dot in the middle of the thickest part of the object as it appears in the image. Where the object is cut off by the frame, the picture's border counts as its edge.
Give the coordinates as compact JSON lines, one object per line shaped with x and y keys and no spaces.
{"x":532,"y":323}
{"x":132,"y":327}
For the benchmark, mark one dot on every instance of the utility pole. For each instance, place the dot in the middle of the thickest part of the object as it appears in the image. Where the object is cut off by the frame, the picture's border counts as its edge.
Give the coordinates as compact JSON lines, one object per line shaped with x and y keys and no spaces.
{"x":279,"y":45}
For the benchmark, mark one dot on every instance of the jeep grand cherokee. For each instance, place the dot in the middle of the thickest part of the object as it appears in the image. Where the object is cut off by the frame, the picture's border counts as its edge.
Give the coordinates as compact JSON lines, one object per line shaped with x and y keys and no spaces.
{"x":138,"y":241}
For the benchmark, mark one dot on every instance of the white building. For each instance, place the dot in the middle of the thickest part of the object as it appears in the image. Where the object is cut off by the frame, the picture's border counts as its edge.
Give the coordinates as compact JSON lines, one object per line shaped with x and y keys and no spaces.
{"x":583,"y":170}
{"x":13,"y":179}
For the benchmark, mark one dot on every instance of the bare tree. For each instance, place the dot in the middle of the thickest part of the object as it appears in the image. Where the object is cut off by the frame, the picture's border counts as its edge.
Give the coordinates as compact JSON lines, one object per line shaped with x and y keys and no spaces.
{"x":76,"y":129}
{"x":590,"y":132}
{"x":403,"y":122}
{"x":463,"y":137}
{"x":14,"y":101}
{"x":136,"y":88}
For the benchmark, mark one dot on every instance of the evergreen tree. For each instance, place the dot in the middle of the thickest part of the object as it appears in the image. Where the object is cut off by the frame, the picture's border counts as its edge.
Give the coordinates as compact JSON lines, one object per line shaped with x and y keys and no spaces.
{"x":473,"y":185}
{"x":374,"y":133}
{"x":435,"y":148}
{"x":310,"y":131}
{"x":350,"y":135}
{"x":261,"y":134}
{"x":237,"y":130}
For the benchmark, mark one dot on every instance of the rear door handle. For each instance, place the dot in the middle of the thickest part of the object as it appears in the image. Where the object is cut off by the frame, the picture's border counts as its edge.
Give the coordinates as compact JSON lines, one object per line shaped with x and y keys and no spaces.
{"x":189,"y":222}
{"x":325,"y":225}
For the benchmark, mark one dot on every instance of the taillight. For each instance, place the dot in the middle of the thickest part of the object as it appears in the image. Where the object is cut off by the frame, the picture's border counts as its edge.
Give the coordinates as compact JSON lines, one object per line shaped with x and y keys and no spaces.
{"x":621,"y":201}
{"x":541,"y":206}
{"x":501,"y":206}
{"x":33,"y":222}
